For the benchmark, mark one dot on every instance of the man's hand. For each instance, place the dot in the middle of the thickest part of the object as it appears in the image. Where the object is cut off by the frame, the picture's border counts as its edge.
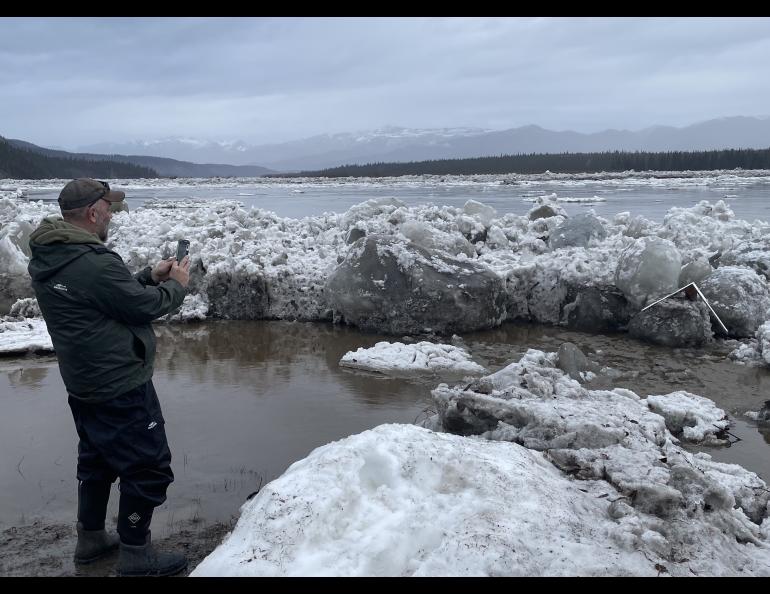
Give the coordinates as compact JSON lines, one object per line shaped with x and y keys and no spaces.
{"x":180,"y":272}
{"x":161,"y":270}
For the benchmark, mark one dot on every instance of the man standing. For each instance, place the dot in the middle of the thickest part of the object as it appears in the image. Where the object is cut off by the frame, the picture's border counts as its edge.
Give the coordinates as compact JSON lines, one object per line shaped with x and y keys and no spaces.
{"x":99,"y":318}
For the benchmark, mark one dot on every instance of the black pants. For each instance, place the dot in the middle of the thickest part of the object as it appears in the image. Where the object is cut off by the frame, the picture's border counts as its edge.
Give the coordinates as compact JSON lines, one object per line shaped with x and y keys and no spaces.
{"x":125,"y":437}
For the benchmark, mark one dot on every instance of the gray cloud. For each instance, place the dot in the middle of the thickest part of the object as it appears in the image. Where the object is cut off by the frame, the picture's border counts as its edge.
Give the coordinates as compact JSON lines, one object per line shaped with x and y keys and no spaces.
{"x":73,"y":81}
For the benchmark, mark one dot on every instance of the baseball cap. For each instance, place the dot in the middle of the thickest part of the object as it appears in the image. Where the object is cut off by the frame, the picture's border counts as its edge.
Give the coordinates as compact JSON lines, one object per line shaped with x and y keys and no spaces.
{"x":85,"y":191}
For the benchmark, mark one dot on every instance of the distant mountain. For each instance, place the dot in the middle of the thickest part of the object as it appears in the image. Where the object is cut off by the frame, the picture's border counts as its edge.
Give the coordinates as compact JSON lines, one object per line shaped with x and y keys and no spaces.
{"x":20,"y":162}
{"x":298,"y":154}
{"x":394,"y":144}
{"x":164,"y":167}
{"x":182,"y":149}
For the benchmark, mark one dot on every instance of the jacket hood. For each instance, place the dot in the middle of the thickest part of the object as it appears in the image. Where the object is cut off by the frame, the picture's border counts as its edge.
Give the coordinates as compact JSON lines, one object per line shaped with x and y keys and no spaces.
{"x":57,"y":230}
{"x":56,"y":243}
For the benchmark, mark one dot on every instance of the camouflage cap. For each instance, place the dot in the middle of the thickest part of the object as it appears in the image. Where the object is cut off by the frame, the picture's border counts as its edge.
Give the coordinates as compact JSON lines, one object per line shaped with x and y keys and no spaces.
{"x":85,"y":191}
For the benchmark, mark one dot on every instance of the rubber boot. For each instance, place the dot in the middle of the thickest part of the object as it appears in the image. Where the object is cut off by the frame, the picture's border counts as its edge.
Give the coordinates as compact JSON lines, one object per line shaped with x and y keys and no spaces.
{"x":137,"y":554}
{"x":93,"y":541}
{"x":94,"y":544}
{"x":146,"y":560}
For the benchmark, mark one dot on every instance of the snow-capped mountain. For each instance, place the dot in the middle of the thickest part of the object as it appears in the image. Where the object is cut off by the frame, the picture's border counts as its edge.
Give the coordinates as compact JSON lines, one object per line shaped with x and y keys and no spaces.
{"x":392,"y":144}
{"x":324,"y":150}
{"x":194,"y":150}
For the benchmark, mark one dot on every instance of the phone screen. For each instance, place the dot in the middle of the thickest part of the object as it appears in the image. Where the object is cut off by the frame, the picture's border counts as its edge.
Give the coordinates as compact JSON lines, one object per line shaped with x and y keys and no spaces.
{"x":182,"y":249}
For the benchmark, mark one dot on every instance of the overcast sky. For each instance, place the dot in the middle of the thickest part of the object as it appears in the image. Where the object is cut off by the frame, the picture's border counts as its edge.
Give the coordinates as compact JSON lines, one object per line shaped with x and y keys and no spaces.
{"x":69,"y":82}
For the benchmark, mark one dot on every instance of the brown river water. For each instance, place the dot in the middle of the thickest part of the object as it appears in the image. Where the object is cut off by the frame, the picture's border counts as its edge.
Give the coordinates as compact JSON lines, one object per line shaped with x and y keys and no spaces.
{"x":244,"y":400}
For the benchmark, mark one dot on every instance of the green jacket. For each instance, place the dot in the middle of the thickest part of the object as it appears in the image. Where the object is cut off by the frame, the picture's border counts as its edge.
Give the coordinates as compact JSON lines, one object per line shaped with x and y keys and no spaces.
{"x":98,"y":315}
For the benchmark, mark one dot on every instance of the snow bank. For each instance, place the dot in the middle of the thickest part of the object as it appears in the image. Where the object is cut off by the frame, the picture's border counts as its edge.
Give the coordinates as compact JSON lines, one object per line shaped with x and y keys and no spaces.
{"x":403,"y":501}
{"x":528,"y":474}
{"x":24,"y":335}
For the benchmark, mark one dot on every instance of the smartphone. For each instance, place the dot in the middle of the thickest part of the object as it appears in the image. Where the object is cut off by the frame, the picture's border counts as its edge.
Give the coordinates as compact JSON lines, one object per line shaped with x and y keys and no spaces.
{"x":182,"y":249}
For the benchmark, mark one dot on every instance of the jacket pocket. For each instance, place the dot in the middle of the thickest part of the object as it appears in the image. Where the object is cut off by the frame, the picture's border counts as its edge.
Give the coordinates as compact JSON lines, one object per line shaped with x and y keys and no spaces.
{"x":144,"y":343}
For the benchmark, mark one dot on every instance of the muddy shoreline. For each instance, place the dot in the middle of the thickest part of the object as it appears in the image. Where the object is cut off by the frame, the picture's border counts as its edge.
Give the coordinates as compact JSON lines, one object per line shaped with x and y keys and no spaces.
{"x":44,"y":549}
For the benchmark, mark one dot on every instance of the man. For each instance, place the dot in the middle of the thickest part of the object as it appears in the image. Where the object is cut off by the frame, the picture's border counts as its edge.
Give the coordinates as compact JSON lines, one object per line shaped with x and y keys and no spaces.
{"x":99,"y":318}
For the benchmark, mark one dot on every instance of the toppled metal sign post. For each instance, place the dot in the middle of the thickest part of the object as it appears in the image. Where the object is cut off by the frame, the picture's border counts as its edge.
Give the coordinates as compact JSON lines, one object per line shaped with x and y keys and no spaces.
{"x":687,"y":286}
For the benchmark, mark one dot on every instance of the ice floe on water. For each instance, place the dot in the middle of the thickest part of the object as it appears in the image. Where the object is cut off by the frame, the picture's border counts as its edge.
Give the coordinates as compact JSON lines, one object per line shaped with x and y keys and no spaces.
{"x":554,"y":197}
{"x":525,"y":472}
{"x":397,"y":358}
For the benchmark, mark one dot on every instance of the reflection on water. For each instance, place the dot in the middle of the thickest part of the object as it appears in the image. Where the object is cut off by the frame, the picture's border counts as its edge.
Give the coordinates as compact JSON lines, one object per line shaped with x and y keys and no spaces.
{"x":244,"y":400}
{"x":257,"y":356}
{"x":31,"y":377}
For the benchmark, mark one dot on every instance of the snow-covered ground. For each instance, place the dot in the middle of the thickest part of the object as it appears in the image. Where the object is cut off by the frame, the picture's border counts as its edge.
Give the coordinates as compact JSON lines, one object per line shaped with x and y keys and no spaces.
{"x":525,"y":473}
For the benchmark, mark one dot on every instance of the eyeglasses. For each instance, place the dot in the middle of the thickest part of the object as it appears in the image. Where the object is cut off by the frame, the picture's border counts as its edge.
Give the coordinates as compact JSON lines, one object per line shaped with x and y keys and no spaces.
{"x":105,"y":191}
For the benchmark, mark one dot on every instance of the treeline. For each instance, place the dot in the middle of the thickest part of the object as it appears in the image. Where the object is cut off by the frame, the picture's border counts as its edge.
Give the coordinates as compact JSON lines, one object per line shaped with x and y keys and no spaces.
{"x":562,"y":163}
{"x":20,"y":163}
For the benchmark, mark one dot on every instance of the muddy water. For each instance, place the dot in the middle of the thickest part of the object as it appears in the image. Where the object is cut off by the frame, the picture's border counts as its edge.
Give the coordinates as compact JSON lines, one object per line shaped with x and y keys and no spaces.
{"x":244,"y":400}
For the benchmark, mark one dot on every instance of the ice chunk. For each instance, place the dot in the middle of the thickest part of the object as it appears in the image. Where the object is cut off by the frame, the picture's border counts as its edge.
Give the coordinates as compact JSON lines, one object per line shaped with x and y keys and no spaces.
{"x":496,"y":238}
{"x":763,"y":341}
{"x":482,"y":212}
{"x":754,"y":253}
{"x":371,"y":208}
{"x":17,"y":232}
{"x":354,"y":235}
{"x":597,"y":309}
{"x":613,"y":436}
{"x":396,"y":287}
{"x":577,"y":231}
{"x":573,"y":361}
{"x":691,"y":417}
{"x":195,"y":307}
{"x":739,"y":297}
{"x":472,"y":228}
{"x":431,"y":238}
{"x":694,"y":271}
{"x":648,"y":269}
{"x":397,"y":358}
{"x":544,"y":211}
{"x":12,"y":288}
{"x":673,"y":322}
{"x":26,"y":308}
{"x":237,"y":296}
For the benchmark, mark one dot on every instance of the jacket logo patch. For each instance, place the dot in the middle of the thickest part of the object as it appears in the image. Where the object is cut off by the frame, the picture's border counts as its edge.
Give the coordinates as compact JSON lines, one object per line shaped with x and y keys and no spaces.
{"x":151,"y":425}
{"x":60,"y":287}
{"x":134,"y":517}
